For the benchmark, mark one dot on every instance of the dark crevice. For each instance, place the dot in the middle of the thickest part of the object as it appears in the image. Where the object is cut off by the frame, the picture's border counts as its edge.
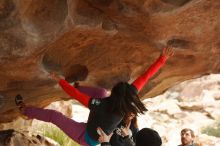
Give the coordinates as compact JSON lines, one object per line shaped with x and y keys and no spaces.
{"x":1,"y":101}
{"x":101,"y":2}
{"x":51,"y":65}
{"x":178,"y":43}
{"x":5,"y":136}
{"x":176,"y":2}
{"x":39,"y":137}
{"x":76,"y":72}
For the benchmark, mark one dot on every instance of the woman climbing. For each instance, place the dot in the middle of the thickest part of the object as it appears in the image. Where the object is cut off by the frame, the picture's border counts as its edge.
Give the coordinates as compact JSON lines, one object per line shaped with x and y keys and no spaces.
{"x":128,"y":126}
{"x":105,"y":113}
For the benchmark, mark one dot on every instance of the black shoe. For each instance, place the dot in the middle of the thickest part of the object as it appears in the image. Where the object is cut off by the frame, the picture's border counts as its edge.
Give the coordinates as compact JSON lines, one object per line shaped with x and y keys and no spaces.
{"x":18,"y":99}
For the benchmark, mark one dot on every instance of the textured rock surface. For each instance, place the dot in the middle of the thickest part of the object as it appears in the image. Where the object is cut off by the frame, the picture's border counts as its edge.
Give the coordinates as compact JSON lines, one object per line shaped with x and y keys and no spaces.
{"x":111,"y":40}
{"x":14,"y":138}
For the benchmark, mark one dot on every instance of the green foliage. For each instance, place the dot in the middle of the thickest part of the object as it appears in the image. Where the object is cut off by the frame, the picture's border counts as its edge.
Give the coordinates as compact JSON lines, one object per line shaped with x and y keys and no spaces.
{"x":57,"y":135}
{"x":212,"y":130}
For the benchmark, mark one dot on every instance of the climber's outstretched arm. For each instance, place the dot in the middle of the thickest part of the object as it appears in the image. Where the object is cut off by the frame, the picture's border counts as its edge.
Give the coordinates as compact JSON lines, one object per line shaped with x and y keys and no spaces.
{"x":143,"y":79}
{"x":70,"y":90}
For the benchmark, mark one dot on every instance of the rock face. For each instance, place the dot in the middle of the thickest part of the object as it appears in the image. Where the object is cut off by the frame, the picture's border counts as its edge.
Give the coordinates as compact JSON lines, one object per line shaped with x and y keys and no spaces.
{"x":102,"y":42}
{"x":14,"y":138}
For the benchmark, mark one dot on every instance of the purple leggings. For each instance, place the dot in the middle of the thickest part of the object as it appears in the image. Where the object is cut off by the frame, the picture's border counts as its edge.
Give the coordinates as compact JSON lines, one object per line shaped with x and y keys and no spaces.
{"x":93,"y":92}
{"x":73,"y":129}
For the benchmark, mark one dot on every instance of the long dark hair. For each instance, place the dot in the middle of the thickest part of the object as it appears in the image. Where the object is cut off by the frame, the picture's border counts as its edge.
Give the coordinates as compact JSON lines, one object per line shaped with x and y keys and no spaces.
{"x":124,"y":99}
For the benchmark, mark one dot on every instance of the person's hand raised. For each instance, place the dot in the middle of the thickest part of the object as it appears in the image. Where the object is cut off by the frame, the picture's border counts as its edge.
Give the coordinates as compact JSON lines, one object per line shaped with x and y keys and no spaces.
{"x":168,"y":51}
{"x":55,"y":76}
